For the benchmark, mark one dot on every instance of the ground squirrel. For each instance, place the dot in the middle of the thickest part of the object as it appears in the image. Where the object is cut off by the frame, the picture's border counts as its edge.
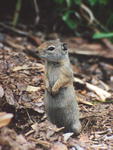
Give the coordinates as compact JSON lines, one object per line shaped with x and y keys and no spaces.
{"x":60,"y":99}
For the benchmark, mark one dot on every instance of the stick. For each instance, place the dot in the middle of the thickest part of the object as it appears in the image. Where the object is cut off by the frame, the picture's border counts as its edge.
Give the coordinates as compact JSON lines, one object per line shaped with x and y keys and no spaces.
{"x":17,"y":12}
{"x":100,"y":92}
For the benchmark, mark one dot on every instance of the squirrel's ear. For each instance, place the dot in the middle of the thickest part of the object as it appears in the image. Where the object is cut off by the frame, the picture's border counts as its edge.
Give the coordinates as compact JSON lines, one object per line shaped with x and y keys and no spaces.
{"x":64,"y":47}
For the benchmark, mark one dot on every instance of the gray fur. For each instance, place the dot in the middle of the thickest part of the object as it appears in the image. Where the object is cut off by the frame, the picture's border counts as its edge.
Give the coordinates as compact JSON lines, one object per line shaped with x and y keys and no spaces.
{"x":62,"y":107}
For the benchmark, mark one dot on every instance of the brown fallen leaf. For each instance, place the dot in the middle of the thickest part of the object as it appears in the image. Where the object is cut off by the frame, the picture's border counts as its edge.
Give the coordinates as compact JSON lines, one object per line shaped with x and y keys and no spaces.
{"x":26,"y":67}
{"x":17,"y":68}
{"x":5,"y":118}
{"x":82,"y":100}
{"x":100,"y":92}
{"x":84,"y":138}
{"x":86,"y":48}
{"x":1,"y":91}
{"x":59,"y":146}
{"x":32,"y":88}
{"x":13,"y":141}
{"x":13,"y":43}
{"x":35,"y":126}
{"x":9,"y":96}
{"x":45,"y":144}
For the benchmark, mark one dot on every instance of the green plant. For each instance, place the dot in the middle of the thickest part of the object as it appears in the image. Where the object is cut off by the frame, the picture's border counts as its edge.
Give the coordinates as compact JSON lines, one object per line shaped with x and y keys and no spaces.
{"x":102,"y":35}
{"x":69,"y":8}
{"x":99,"y":2}
{"x":67,"y":12}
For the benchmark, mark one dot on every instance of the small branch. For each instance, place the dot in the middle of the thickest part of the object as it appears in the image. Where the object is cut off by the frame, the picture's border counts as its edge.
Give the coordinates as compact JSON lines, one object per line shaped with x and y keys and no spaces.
{"x":17,"y":12}
{"x":13,"y":29}
{"x":82,"y":100}
{"x":91,"y":18}
{"x":45,"y":144}
{"x":100,"y":92}
{"x":22,"y":33}
{"x":37,"y":12}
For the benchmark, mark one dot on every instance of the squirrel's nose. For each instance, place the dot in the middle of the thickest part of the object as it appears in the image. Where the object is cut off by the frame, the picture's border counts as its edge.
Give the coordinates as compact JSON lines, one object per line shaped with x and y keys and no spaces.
{"x":32,"y":53}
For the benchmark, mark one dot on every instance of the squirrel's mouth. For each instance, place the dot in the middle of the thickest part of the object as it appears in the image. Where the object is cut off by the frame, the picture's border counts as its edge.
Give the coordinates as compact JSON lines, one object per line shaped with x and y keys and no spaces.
{"x":32,"y":53}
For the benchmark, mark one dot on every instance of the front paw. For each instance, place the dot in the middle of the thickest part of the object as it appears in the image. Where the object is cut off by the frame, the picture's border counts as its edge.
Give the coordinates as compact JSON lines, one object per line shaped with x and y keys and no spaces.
{"x":54,"y":91}
{"x":49,"y":89}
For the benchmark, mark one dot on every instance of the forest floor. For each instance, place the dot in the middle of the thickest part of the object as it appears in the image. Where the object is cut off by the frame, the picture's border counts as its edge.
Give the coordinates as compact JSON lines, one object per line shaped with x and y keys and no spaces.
{"x":22,"y":93}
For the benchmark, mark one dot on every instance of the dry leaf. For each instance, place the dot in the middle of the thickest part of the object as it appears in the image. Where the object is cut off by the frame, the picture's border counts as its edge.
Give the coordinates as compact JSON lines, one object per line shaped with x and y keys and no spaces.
{"x":81,"y":99}
{"x":67,"y":136}
{"x":9,"y":96}
{"x":5,"y":118}
{"x":59,"y":146}
{"x":100,"y":92}
{"x":35,"y":126}
{"x":45,"y":144}
{"x":1,"y":91}
{"x":103,"y":94}
{"x":17,"y":68}
{"x":26,"y":67}
{"x":32,"y":88}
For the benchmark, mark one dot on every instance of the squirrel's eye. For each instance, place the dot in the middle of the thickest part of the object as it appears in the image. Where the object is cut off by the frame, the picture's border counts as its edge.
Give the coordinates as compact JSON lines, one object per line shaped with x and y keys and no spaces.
{"x":64,"y":46}
{"x":51,"y":48}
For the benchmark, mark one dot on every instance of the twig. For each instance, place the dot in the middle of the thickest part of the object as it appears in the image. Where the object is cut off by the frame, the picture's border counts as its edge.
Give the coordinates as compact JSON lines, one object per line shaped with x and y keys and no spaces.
{"x":100,"y":92}
{"x":82,"y":100}
{"x":97,"y":114}
{"x":91,"y":18}
{"x":14,"y":29}
{"x":13,"y":44}
{"x":22,"y":33}
{"x":41,"y":142}
{"x":108,"y":43}
{"x":17,"y":11}
{"x":37,"y":12}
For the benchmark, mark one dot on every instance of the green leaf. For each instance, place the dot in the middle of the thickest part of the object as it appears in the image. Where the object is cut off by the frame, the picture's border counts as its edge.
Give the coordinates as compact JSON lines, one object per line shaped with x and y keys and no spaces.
{"x":93,"y":2}
{"x":72,"y":24}
{"x":60,"y":1}
{"x":102,"y":35}
{"x":66,"y":15}
{"x":68,"y":3}
{"x":110,"y":20}
{"x":78,"y":2}
{"x":104,"y":2}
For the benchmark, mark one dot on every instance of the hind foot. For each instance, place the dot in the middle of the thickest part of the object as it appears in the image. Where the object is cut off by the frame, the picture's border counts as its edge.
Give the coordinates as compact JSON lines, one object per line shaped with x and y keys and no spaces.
{"x":76,"y":128}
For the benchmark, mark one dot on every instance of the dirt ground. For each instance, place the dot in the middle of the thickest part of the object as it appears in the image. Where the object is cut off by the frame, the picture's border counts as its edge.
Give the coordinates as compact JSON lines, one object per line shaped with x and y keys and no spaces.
{"x":22,"y":92}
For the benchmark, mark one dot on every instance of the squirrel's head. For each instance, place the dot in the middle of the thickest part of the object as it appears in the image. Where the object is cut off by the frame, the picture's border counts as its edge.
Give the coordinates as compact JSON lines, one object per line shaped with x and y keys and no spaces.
{"x":53,"y":51}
